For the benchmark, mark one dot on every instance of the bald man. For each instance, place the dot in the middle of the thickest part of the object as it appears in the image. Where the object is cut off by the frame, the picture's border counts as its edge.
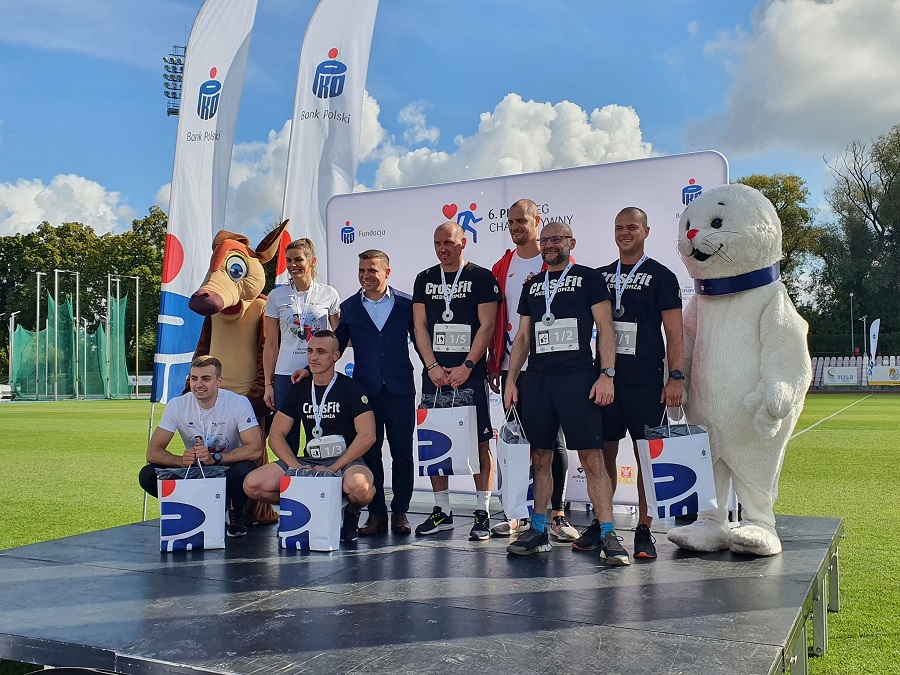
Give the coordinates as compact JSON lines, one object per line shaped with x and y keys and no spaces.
{"x":461,"y":297}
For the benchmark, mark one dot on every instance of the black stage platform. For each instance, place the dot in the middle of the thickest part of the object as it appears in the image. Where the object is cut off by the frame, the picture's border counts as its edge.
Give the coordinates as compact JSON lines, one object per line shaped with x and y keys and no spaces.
{"x":439,"y":604}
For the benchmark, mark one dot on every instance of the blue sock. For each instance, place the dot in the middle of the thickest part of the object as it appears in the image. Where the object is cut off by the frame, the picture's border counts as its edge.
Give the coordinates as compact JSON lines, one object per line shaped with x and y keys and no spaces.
{"x":539,"y":521}
{"x":606,"y":528}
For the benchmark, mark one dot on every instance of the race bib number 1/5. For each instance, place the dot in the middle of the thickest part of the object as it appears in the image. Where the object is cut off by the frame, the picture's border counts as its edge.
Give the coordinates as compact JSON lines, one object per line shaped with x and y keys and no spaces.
{"x":626,"y":337}
{"x":452,"y":337}
{"x":560,"y":336}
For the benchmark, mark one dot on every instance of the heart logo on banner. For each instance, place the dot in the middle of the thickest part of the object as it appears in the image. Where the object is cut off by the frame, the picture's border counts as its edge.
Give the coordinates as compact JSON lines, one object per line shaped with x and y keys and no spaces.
{"x":449,"y":211}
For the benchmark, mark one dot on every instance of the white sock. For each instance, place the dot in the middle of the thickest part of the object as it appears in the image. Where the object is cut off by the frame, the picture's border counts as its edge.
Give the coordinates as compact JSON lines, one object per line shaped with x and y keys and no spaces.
{"x":483,"y":500}
{"x":442,"y":499}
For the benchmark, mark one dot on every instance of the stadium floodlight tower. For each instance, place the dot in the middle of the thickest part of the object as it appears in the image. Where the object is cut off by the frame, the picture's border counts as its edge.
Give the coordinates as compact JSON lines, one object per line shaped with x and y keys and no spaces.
{"x":852,"y":341}
{"x":173,"y":76}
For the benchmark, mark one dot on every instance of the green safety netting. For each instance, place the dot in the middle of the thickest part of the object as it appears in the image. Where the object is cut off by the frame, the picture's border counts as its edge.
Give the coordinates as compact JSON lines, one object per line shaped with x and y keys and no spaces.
{"x":56,"y":359}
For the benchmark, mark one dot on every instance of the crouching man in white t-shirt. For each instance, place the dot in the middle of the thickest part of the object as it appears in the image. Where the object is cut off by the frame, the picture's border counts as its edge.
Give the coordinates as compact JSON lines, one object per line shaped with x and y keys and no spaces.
{"x":217,"y":427}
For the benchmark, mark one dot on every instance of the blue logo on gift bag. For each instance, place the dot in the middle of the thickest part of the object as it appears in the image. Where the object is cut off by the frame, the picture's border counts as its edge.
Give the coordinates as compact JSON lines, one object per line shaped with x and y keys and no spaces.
{"x":181,"y":527}
{"x":293,"y":524}
{"x":434,"y":453}
{"x":675,"y":493}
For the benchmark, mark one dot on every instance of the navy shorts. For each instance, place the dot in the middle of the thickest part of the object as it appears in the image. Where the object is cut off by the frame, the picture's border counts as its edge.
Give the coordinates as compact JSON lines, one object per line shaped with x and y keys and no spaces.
{"x":479,"y":387}
{"x":635,"y":406}
{"x":548,"y":402}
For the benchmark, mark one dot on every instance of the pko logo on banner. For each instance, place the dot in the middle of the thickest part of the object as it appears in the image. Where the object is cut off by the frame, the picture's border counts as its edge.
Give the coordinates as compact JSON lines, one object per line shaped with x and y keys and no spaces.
{"x":690,"y":192}
{"x":465,"y":219}
{"x":208,"y":103}
{"x":348,"y":234}
{"x":328,"y":81}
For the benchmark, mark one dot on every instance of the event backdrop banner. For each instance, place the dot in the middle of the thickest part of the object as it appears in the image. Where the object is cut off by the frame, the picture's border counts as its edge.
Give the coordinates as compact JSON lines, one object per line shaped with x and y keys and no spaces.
{"x":210,"y":97}
{"x":324,"y":146}
{"x":401,"y":222}
{"x":840,"y":375}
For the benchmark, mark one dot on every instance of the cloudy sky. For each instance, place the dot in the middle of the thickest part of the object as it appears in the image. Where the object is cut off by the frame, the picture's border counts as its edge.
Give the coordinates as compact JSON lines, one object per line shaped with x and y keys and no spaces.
{"x":456,"y":90}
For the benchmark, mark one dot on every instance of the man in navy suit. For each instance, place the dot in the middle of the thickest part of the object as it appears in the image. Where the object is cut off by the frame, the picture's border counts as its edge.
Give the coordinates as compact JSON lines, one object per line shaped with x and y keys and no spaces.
{"x":377,"y":323}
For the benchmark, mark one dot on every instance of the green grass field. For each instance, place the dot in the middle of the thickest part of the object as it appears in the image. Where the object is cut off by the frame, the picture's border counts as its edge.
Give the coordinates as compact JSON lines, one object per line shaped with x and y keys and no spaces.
{"x":81,"y":459}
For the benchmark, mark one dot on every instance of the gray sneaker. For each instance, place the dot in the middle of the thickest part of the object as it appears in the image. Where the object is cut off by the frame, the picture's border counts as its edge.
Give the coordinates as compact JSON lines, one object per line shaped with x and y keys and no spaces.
{"x":530,"y":542}
{"x":562,"y":529}
{"x":612,"y":551}
{"x":507,"y":528}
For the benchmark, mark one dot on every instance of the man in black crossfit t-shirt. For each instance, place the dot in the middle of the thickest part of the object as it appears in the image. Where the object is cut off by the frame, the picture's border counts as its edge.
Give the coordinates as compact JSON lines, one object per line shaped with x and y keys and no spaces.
{"x":562,"y":387}
{"x":462,"y":298}
{"x":339,"y":427}
{"x":645,"y":294}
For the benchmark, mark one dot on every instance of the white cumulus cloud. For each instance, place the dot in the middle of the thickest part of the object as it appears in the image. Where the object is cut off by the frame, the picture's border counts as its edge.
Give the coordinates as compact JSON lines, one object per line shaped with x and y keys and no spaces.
{"x":25,"y":204}
{"x":518,"y":137}
{"x":809,"y":74}
{"x":412,"y":116}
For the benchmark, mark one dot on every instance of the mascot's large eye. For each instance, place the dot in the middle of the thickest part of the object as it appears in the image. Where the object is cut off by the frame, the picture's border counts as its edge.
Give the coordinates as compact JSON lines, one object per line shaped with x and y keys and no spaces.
{"x":687,"y":226}
{"x":716,"y":223}
{"x":236,"y":267}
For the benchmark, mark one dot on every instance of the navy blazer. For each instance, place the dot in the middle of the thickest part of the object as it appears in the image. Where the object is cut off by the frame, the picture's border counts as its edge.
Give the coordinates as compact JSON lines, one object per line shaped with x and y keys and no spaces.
{"x":381,"y":358}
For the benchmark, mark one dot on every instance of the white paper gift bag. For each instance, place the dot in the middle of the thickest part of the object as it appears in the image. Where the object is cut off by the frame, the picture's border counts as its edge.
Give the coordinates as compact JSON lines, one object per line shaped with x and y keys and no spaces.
{"x":515,"y":474}
{"x":676,"y":467}
{"x":310,"y":512}
{"x":447,"y":441}
{"x":191,"y":514}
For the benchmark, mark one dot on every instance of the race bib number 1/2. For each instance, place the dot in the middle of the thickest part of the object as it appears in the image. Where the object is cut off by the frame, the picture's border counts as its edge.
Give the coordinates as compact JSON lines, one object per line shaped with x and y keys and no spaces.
{"x":626,"y":337}
{"x":452,"y":337}
{"x":560,"y":336}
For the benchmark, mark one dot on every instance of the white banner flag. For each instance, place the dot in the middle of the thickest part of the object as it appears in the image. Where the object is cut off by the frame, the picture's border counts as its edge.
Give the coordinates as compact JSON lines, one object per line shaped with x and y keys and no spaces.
{"x":211,"y":94}
{"x":873,"y":343}
{"x":324,"y":147}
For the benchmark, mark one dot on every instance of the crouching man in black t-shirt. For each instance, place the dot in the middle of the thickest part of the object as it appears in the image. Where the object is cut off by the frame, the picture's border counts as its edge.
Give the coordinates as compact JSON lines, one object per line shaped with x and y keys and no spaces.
{"x":339,"y":427}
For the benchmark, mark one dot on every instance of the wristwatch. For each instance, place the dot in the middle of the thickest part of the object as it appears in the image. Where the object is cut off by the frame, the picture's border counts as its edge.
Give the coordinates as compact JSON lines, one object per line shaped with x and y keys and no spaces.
{"x":676,"y":375}
{"x":469,"y":364}
{"x":217,"y":457}
{"x":609,"y":372}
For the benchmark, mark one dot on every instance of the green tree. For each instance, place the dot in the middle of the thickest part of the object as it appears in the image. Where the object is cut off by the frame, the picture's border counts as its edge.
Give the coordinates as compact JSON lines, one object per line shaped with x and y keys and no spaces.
{"x":860,"y":251}
{"x":800,"y":235}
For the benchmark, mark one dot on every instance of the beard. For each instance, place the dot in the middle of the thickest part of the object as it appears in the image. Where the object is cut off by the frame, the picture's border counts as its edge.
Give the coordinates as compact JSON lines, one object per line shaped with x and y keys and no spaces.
{"x":556,"y":258}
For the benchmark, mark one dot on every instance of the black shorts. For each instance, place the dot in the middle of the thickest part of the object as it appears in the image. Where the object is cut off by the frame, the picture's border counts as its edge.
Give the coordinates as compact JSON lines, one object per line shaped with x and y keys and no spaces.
{"x":309,"y":461}
{"x":635,"y":406}
{"x":479,"y":387}
{"x":550,"y":402}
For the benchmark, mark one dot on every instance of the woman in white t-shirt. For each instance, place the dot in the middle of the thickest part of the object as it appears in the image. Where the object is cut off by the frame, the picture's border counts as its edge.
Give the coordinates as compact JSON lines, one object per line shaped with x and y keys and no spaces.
{"x":294,"y":313}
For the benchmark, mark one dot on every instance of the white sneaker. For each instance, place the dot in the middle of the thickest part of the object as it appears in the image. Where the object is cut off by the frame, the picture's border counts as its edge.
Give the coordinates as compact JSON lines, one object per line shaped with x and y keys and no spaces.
{"x":562,"y":529}
{"x":507,"y":528}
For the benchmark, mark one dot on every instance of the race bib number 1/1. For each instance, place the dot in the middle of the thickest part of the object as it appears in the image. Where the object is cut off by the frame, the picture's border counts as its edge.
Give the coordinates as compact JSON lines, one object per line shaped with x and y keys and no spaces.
{"x":452,"y":337}
{"x":560,"y":336}
{"x":626,"y":337}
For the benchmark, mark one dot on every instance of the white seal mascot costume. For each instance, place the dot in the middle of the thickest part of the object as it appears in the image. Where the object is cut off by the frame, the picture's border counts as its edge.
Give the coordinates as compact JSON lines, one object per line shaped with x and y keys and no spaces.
{"x":746,"y":360}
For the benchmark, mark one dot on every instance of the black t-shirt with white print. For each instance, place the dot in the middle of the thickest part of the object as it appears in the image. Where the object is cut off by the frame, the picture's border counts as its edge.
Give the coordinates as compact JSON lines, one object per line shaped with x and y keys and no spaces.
{"x":581,"y":289}
{"x":346,"y":401}
{"x":476,"y":286}
{"x":652,"y":290}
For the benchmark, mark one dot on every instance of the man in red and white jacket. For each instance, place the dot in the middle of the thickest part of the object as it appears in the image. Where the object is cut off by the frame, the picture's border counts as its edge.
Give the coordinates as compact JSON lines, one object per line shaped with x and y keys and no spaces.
{"x":512,"y":270}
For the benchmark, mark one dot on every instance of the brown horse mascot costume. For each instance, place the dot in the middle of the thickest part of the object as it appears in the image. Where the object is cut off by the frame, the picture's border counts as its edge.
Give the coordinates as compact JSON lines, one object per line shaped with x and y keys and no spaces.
{"x":234,"y":331}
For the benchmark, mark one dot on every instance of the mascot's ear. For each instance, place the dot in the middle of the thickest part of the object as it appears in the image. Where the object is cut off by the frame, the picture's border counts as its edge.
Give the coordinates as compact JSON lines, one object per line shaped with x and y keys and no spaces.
{"x":225,"y":235}
{"x":268,"y":247}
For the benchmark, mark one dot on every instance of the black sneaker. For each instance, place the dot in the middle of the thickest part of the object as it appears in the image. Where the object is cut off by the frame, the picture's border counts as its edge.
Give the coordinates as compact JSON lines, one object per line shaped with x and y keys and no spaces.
{"x":644,"y":543}
{"x":530,"y":542}
{"x":235,"y":527}
{"x":590,"y":538}
{"x":612,"y":551}
{"x":481,"y":529}
{"x":436,"y":522}
{"x":350,"y":526}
